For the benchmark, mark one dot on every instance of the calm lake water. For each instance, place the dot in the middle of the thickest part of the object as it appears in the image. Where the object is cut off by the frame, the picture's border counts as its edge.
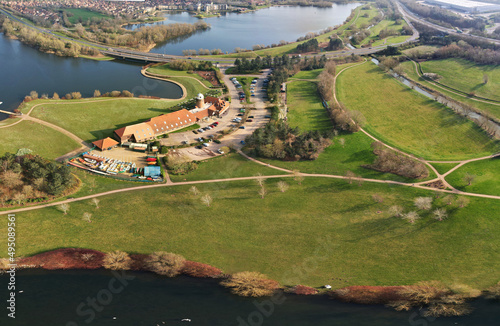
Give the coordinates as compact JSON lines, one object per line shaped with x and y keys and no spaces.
{"x":265,"y":26}
{"x":53,"y":297}
{"x":23,"y":69}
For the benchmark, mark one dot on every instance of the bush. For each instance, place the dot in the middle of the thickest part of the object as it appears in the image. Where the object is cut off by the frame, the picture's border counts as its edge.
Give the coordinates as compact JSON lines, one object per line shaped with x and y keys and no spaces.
{"x":368,"y":294}
{"x":117,"y":260}
{"x":196,"y":269}
{"x":165,"y":263}
{"x":303,"y":290}
{"x":251,"y":284}
{"x":163,"y":150}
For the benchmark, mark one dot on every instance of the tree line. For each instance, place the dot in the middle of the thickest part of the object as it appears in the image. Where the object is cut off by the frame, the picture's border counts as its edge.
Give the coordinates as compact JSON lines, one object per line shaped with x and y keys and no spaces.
{"x":28,"y":178}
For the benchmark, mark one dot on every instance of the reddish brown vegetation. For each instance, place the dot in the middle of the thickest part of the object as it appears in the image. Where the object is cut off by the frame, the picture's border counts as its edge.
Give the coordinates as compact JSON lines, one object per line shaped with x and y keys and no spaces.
{"x":208,"y":75}
{"x":368,"y":294}
{"x":303,"y":290}
{"x":68,"y":258}
{"x":196,"y":269}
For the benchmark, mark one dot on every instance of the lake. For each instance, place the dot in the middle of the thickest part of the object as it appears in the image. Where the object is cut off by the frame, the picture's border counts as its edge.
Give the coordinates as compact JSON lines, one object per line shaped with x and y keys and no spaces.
{"x":264,"y":26}
{"x":53,"y":297}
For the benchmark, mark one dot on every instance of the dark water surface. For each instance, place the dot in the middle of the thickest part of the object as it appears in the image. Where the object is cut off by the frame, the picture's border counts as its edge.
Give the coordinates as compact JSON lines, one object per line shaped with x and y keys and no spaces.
{"x":64,"y":298}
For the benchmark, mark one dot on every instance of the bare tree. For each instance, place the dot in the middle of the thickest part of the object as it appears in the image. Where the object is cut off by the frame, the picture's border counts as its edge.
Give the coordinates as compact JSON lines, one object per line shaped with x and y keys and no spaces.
{"x":282,"y":186}
{"x":377,"y":198}
{"x":423,"y":203}
{"x":448,"y":200}
{"x":350,"y":176}
{"x":469,"y":178}
{"x":194,"y":190}
{"x":64,"y":207}
{"x":260,"y":180}
{"x":55,"y":96}
{"x":262,"y":192}
{"x":87,"y":217}
{"x":411,"y":216}
{"x":206,"y":199}
{"x":19,"y":197}
{"x":396,"y":211}
{"x":298,"y":176}
{"x":440,"y":214}
{"x":95,"y":201}
{"x":34,"y":95}
{"x":462,"y":201}
{"x":97,"y":93}
{"x":10,"y":179}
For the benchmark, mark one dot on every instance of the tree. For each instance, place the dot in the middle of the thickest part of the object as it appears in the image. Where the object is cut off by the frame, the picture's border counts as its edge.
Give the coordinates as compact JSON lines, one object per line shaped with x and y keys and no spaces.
{"x":64,"y":207}
{"x":462,"y":201}
{"x":165,"y":263}
{"x":34,"y":95}
{"x":117,"y":260}
{"x":87,"y":217}
{"x":377,"y":198}
{"x":297,"y":176}
{"x":97,"y":93}
{"x":262,"y":192}
{"x":411,"y":217}
{"x":423,"y":203}
{"x":469,"y":178}
{"x":350,"y":176}
{"x":206,"y":199}
{"x":19,"y":197}
{"x":282,"y":186}
{"x":10,"y":179}
{"x":194,"y":190}
{"x":260,"y":180}
{"x":396,"y":211}
{"x":251,"y":284}
{"x":95,"y":201}
{"x":55,"y":96}
{"x":440,"y":214}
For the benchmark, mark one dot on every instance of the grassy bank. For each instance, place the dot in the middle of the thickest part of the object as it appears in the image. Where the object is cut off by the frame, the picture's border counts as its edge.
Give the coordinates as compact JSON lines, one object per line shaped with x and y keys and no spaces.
{"x":402,"y":117}
{"x":166,"y":71}
{"x":332,"y":232}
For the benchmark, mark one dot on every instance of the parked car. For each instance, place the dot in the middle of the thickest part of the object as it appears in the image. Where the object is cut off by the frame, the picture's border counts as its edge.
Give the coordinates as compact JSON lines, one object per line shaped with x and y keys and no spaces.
{"x":220,"y":152}
{"x":200,"y":130}
{"x":205,"y":144}
{"x":240,"y":114}
{"x":251,"y":117}
{"x":195,"y":132}
{"x":242,"y":127}
{"x":242,"y":142}
{"x":267,"y":116}
{"x":199,"y":147}
{"x":249,"y":120}
{"x":216,"y":123}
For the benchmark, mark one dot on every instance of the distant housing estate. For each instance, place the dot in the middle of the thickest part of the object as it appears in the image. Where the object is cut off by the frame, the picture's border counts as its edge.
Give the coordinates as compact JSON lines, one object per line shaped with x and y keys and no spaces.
{"x":165,"y":123}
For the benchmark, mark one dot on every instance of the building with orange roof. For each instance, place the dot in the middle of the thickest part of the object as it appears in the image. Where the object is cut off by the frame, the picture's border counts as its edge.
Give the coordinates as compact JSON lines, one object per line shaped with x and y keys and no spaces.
{"x":105,"y":144}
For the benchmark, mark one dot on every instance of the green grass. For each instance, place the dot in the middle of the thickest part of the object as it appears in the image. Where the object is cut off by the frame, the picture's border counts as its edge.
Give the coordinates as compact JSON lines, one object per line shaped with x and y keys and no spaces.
{"x":42,"y":140}
{"x":492,"y":109}
{"x":231,"y":165}
{"x":330,"y":231}
{"x":392,"y":40}
{"x":166,"y":71}
{"x":444,"y":167}
{"x":401,"y":117}
{"x":188,"y":128}
{"x":466,"y":76}
{"x":307,"y":74}
{"x":84,"y":14}
{"x":487,"y":177}
{"x":305,"y":109}
{"x":338,"y":159}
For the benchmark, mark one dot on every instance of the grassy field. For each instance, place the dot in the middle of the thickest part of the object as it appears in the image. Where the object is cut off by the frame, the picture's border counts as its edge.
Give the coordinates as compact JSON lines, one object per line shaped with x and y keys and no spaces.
{"x":307,"y":74}
{"x":91,"y":120}
{"x":42,"y":140}
{"x":466,"y":76}
{"x":492,"y":109}
{"x":338,"y":159}
{"x":232,"y":165}
{"x":486,"y":181}
{"x":401,"y":117}
{"x":390,"y":25}
{"x":74,"y":14}
{"x":444,"y":167}
{"x":305,"y":109}
{"x":329,"y":231}
{"x":166,"y":71}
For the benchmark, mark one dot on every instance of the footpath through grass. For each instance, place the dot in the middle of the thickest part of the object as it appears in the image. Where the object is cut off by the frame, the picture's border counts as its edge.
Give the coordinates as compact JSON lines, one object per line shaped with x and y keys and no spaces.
{"x":486,"y":177}
{"x":305,"y":109}
{"x":42,"y":140}
{"x":401,"y":117}
{"x":334,"y":232}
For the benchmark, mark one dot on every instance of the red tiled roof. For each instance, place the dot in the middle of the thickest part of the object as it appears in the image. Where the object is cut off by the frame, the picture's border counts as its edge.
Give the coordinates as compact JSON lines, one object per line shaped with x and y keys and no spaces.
{"x":170,"y":121}
{"x":105,"y":143}
{"x":139,"y":130}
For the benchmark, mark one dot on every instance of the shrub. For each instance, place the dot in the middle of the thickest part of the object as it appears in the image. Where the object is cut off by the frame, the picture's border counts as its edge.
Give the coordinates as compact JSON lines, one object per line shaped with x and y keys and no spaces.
{"x":117,"y":260}
{"x":165,"y":263}
{"x":368,"y":294}
{"x":303,"y":290}
{"x":196,"y":269}
{"x":251,"y":284}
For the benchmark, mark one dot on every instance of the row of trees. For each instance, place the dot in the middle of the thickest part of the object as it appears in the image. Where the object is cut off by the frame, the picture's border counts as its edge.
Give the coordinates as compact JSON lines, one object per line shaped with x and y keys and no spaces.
{"x":283,"y":142}
{"x":308,"y":46}
{"x":29,"y":178}
{"x":185,"y":65}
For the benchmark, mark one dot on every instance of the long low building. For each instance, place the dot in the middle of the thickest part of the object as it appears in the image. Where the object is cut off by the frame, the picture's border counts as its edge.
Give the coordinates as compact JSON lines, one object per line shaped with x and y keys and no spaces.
{"x":165,"y":123}
{"x":466,"y":5}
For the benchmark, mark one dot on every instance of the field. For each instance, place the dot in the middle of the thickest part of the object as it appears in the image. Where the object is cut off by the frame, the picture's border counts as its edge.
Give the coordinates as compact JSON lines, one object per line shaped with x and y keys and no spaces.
{"x":75,"y":14}
{"x":307,"y":74}
{"x":444,"y":167}
{"x":492,"y":109}
{"x":305,"y":109}
{"x":390,"y":25}
{"x":232,"y":165}
{"x":166,"y":71}
{"x":401,"y":117}
{"x":487,"y":177}
{"x":332,"y":232}
{"x":466,"y":76}
{"x":42,"y":140}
